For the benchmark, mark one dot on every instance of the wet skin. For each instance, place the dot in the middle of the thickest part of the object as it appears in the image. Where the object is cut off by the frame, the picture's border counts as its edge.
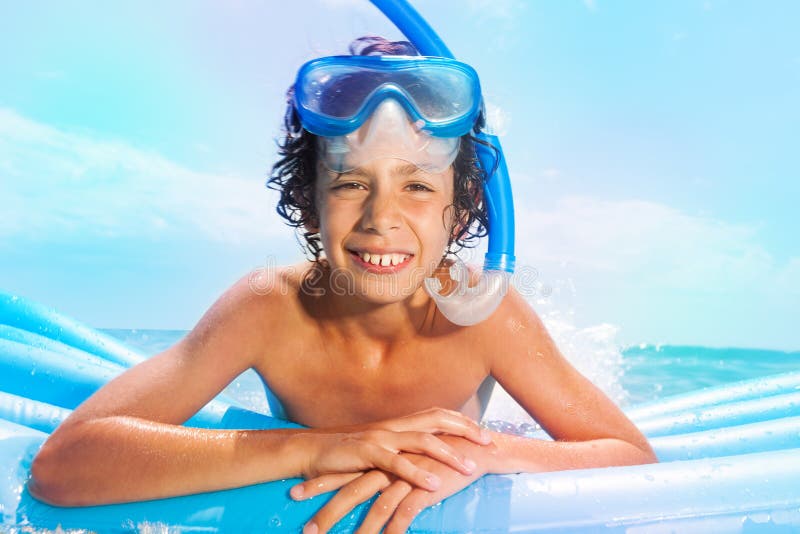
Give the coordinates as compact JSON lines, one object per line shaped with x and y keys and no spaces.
{"x":372,"y":344}
{"x":341,"y":345}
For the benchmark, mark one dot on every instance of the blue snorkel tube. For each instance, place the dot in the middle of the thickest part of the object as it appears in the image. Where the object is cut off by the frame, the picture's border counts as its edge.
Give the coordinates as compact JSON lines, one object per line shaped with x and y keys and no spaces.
{"x":468,"y":305}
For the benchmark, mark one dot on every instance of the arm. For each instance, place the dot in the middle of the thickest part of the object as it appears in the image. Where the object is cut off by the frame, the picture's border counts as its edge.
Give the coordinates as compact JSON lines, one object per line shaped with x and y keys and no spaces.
{"x":128,"y":430}
{"x":589,"y":429}
{"x":125,"y":443}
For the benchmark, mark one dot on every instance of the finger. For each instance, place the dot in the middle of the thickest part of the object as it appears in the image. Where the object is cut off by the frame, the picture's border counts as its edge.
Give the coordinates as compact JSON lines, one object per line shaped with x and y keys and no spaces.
{"x":407,"y":510}
{"x":440,"y":420}
{"x":395,"y":464}
{"x":430,"y":445}
{"x":384,"y":506}
{"x":458,"y":424}
{"x":321,"y":484}
{"x":348,"y":497}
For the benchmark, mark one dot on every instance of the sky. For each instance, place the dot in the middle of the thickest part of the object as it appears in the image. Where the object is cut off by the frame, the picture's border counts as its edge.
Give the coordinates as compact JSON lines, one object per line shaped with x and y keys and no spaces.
{"x":653,"y":151}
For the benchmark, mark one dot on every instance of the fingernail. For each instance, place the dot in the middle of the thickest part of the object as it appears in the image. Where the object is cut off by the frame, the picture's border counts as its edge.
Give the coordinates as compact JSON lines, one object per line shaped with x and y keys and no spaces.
{"x":297,"y":492}
{"x":433,"y":481}
{"x":310,"y":528}
{"x":470,"y":465}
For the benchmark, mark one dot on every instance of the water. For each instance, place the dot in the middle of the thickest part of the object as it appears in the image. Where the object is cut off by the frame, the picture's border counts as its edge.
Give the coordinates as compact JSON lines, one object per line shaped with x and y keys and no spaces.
{"x":629,"y":375}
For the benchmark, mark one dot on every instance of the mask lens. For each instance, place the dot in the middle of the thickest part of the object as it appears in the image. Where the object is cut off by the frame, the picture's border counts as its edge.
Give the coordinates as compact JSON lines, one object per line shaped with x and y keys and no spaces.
{"x":339,"y":92}
{"x":440,"y":95}
{"x":437,"y":94}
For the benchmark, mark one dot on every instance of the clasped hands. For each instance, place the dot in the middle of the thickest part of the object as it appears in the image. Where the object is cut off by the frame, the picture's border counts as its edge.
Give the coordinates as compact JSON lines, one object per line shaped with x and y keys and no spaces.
{"x":413,"y":462}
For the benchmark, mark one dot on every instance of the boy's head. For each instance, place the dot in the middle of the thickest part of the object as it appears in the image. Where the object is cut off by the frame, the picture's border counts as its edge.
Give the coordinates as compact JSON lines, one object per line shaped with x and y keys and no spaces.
{"x":304,"y":155}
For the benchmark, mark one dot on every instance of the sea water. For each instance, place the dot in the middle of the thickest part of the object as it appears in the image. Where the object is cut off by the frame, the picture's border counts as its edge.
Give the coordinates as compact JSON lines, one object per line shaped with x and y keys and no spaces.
{"x":628,"y":375}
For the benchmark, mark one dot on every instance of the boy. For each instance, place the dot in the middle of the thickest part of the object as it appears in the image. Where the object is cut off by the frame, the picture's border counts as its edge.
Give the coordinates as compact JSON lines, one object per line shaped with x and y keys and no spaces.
{"x":350,"y":342}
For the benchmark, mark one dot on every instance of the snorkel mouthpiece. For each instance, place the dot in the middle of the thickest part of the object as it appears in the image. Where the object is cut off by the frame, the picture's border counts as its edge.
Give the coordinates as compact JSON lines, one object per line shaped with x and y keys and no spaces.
{"x":466,"y":305}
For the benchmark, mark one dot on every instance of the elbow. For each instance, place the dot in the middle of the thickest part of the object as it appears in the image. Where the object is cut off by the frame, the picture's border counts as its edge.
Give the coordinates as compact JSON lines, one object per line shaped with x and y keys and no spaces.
{"x":53,"y":474}
{"x":45,"y":483}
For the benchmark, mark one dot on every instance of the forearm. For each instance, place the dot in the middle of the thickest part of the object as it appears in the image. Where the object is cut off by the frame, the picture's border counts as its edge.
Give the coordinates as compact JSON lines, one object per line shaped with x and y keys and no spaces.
{"x":121,"y":459}
{"x":515,"y":454}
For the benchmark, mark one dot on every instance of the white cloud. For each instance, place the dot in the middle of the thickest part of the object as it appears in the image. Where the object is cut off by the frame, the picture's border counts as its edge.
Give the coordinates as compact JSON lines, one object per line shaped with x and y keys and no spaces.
{"x":55,"y":182}
{"x":788,"y":279}
{"x":649,"y":242}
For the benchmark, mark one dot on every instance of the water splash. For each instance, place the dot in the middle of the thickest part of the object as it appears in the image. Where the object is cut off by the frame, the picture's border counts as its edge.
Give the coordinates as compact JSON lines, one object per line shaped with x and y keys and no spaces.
{"x":593,"y":351}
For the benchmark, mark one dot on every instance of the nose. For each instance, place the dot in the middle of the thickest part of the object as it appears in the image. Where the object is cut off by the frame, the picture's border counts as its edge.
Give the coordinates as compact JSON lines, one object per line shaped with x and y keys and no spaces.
{"x":381,"y":213}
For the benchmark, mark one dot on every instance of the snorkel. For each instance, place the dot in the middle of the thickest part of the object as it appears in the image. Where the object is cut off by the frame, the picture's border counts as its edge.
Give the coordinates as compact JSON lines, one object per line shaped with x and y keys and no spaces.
{"x":468,"y":305}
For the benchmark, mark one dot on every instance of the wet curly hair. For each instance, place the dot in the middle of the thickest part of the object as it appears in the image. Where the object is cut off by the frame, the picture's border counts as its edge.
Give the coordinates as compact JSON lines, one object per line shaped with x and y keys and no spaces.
{"x":294,"y":175}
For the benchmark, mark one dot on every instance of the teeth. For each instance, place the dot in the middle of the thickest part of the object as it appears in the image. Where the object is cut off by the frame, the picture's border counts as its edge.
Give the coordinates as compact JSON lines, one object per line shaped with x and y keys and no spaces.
{"x":383,"y":259}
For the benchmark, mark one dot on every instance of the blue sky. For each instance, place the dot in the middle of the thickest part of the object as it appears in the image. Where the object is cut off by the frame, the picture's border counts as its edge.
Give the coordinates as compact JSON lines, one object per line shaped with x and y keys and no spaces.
{"x":653,"y":149}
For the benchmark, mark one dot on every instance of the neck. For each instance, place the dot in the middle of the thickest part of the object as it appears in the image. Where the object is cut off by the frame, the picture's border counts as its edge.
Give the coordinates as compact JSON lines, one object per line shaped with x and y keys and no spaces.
{"x":368,"y":323}
{"x":385,"y":325}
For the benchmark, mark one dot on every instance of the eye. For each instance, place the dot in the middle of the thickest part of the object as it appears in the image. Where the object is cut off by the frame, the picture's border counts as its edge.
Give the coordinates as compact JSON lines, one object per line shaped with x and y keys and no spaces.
{"x":419,"y":187}
{"x":348,"y":185}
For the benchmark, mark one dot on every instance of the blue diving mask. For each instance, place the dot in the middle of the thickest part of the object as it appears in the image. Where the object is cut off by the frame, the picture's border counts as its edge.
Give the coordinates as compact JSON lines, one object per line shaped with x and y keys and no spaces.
{"x":336,"y":95}
{"x":405,"y":107}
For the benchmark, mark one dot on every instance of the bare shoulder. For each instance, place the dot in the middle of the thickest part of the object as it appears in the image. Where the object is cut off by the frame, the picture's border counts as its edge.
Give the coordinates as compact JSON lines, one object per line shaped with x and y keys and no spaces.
{"x":513,"y":328}
{"x":513,"y":308}
{"x":250,"y":312}
{"x":515,"y":312}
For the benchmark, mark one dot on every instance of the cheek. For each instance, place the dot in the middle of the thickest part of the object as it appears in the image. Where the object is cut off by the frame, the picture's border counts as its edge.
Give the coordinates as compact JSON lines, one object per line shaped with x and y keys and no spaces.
{"x":339,"y":218}
{"x":431,"y":226}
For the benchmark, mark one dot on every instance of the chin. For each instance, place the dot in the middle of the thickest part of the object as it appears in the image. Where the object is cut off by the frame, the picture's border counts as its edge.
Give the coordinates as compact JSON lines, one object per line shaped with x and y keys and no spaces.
{"x":387,"y":292}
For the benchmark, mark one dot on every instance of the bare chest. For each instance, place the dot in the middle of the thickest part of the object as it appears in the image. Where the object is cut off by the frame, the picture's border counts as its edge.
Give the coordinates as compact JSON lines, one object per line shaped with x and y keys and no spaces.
{"x":322,"y":383}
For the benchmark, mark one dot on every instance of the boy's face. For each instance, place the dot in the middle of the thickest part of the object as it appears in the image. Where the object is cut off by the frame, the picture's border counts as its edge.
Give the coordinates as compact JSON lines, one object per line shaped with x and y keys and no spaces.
{"x":388,"y":208}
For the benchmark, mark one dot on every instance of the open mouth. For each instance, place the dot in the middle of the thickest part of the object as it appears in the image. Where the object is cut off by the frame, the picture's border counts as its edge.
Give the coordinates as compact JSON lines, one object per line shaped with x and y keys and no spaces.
{"x":381,"y":262}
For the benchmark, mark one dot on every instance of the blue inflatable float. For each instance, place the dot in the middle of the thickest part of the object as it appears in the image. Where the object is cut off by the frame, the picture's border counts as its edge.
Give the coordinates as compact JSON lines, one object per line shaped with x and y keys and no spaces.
{"x":730,"y":457}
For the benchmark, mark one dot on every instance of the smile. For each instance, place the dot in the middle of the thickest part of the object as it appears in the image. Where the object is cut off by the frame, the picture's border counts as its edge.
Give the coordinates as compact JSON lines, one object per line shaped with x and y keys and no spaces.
{"x":381,"y":263}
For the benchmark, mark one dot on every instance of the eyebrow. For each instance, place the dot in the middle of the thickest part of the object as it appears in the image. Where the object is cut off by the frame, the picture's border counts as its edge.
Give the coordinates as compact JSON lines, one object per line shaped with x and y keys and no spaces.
{"x":344,"y":175}
{"x":405,"y":170}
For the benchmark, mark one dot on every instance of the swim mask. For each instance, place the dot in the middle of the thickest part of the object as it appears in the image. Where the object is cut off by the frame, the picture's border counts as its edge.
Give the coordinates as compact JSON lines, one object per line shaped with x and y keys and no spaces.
{"x":407,"y":107}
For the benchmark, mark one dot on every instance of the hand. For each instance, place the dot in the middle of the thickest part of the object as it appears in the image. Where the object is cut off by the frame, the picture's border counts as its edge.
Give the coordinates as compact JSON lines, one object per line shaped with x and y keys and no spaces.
{"x":353,"y":450}
{"x":399,"y":502}
{"x":437,"y":421}
{"x":346,"y":455}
